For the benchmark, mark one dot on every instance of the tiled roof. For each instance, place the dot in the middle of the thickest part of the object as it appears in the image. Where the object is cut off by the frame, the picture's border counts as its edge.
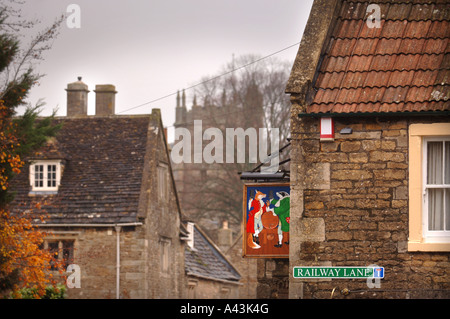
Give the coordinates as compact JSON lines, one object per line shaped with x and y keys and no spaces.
{"x":101,"y":179}
{"x":206,"y":261}
{"x":404,"y":65}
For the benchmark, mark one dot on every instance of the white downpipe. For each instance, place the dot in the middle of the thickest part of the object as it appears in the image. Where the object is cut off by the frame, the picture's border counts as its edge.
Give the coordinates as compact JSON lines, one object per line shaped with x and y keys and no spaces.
{"x":117,"y":228}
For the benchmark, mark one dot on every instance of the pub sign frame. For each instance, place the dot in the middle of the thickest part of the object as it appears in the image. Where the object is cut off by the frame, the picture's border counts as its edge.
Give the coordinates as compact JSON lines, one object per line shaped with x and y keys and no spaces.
{"x":266,"y":219}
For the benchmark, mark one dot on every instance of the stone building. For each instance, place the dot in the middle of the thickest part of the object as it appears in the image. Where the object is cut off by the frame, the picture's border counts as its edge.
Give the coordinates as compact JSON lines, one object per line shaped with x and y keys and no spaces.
{"x":370,"y":134}
{"x":196,"y":177}
{"x":209,"y":273}
{"x":210,"y":192}
{"x":106,"y":189}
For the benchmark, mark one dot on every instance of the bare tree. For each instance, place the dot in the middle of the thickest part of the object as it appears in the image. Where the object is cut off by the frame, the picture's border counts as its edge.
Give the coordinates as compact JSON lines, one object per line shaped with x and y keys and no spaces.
{"x":247,"y":86}
{"x":25,"y":55}
{"x":248,"y":94}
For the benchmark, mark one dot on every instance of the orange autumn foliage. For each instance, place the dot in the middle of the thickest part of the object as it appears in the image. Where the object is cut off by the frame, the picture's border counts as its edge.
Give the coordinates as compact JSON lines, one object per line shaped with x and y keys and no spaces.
{"x":20,"y":251}
{"x":22,"y":261}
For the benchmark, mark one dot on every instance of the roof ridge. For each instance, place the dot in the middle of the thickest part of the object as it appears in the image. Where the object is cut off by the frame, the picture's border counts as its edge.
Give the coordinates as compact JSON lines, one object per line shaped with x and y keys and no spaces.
{"x":379,"y":102}
{"x":414,"y":10}
{"x":396,"y":19}
{"x":389,"y":38}
{"x":114,"y":116}
{"x":376,"y":70}
{"x":384,"y":86}
{"x":386,"y":54}
{"x":393,"y":2}
{"x":365,"y":71}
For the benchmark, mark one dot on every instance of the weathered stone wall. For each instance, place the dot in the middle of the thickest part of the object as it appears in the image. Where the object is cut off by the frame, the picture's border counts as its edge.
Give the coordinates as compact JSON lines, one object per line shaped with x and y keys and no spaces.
{"x":141,"y":247}
{"x":98,"y":279}
{"x":349,"y":207}
{"x":247,"y":267}
{"x":140,"y":269}
{"x":273,"y":279}
{"x":199,"y":288}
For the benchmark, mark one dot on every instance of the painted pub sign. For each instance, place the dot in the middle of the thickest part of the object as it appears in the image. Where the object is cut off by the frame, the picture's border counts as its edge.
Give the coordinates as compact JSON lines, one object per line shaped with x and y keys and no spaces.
{"x":266,"y":220}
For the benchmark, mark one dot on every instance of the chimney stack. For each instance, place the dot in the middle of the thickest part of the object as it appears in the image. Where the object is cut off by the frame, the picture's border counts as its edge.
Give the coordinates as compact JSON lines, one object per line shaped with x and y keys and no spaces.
{"x":77,"y":98}
{"x":105,"y":100}
{"x":225,"y":237}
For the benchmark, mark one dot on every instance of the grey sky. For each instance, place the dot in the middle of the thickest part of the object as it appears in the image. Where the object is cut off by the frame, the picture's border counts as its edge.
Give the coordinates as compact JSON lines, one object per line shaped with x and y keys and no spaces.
{"x":149,"y":49}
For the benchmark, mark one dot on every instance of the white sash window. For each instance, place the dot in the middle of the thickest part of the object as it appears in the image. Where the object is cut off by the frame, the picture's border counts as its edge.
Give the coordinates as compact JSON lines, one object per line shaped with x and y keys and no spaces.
{"x":45,"y":175}
{"x":436,"y":188}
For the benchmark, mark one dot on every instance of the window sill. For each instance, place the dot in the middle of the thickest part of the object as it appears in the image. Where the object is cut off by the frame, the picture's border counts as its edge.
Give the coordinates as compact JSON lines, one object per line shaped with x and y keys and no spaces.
{"x":42,"y":193}
{"x":423,"y":246}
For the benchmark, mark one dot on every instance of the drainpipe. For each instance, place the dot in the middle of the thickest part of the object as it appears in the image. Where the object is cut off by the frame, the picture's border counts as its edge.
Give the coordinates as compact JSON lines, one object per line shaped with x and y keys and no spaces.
{"x":117,"y":228}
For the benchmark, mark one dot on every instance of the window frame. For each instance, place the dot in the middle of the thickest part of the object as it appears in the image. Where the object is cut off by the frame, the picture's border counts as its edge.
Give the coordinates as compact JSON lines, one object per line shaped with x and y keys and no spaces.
{"x":432,"y":235}
{"x":163,"y":181}
{"x":61,"y":250}
{"x":165,"y":245}
{"x":418,"y":239}
{"x":45,"y":164}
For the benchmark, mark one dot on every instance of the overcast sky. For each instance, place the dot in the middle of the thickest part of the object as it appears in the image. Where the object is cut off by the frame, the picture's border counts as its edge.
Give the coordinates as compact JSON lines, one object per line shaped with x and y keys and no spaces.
{"x":150,"y":49}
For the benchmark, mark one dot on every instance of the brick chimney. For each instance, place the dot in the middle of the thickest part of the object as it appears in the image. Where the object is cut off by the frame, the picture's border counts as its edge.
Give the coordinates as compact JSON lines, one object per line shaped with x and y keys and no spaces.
{"x":77,"y":98}
{"x":105,"y":99}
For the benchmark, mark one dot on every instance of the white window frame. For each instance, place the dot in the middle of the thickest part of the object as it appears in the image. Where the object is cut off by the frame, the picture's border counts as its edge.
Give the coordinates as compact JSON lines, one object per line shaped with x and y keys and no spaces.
{"x":45,"y":164}
{"x":418,"y":133}
{"x":435,"y":236}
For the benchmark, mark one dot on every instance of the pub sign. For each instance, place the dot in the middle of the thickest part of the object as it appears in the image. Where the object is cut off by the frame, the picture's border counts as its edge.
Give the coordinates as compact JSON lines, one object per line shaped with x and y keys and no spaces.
{"x":266,"y":219}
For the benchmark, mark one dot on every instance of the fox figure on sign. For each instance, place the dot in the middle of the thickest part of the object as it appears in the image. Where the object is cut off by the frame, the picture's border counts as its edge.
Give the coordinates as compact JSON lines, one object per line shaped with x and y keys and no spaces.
{"x":256,"y":207}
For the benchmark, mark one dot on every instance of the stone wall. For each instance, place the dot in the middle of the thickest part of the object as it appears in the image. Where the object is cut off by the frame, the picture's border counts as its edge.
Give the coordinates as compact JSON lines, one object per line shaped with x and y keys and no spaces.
{"x":349,"y":207}
{"x":141,"y":275}
{"x":200,"y":288}
{"x":143,"y":248}
{"x":247,"y":267}
{"x":273,"y":279}
{"x":98,"y":280}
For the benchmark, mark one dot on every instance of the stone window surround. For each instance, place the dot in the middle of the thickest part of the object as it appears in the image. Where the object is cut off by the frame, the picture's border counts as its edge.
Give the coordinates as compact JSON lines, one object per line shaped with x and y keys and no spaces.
{"x":162,"y":176}
{"x":60,"y":237}
{"x":165,"y":258}
{"x":417,"y":133}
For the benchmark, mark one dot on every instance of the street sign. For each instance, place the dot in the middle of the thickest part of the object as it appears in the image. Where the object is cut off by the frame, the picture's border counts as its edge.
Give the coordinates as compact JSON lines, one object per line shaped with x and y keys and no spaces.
{"x":338,"y":272}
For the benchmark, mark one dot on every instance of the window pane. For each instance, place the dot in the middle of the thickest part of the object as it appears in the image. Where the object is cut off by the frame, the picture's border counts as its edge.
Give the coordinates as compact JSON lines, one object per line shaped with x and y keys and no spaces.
{"x":435,"y":209}
{"x":67,"y":252}
{"x":38,"y":175}
{"x":447,"y":209}
{"x":53,"y":248}
{"x":434,"y":163}
{"x":51,"y":175}
{"x":447,"y":163}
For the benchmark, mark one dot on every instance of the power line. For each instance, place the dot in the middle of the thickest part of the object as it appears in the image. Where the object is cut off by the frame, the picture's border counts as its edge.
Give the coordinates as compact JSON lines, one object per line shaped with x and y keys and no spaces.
{"x":211,"y":79}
